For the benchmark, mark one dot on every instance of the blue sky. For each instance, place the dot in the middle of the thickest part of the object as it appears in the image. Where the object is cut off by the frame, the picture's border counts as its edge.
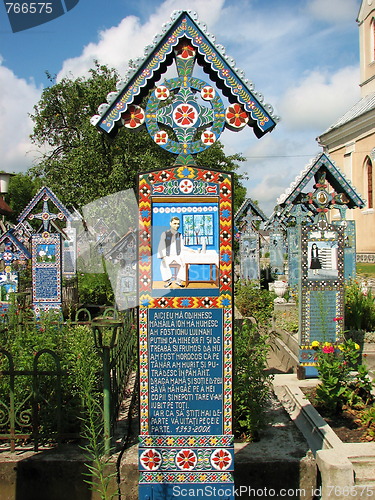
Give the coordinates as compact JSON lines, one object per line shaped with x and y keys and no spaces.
{"x":301,"y":55}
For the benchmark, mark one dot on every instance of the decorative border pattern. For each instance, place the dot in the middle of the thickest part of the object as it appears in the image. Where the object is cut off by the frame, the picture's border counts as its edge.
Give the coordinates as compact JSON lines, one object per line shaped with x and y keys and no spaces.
{"x":183,"y":441}
{"x":224,"y":301}
{"x":186,"y":459}
{"x":185,"y":477}
{"x":365,"y":257}
{"x":310,"y":289}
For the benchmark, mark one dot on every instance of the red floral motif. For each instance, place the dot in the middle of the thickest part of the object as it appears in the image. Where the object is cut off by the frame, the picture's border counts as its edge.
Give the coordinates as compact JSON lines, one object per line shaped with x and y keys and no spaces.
{"x":151,"y":459}
{"x":185,"y":115}
{"x":208,"y":93}
{"x":221,"y":459}
{"x":162,"y":93}
{"x":185,"y":51}
{"x":133,"y":117}
{"x":161,"y":137}
{"x":236,"y":116}
{"x":186,"y":186}
{"x":328,"y":349}
{"x":208,"y":137}
{"x":186,"y":459}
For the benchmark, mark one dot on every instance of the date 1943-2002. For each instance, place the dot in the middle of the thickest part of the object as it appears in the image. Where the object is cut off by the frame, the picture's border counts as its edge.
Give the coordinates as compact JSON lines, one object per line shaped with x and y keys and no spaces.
{"x":29,"y":8}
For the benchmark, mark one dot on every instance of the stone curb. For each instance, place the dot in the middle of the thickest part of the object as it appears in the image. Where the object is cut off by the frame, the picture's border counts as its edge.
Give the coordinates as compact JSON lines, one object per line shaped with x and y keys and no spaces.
{"x":335,"y":459}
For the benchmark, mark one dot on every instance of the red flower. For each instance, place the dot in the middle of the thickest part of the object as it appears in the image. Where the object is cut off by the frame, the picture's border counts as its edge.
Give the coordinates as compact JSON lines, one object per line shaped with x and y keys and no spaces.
{"x":185,"y":51}
{"x":151,"y":459}
{"x":186,"y":459}
{"x":185,"y":115}
{"x":133,"y":117}
{"x":328,"y":349}
{"x":236,"y":116}
{"x":221,"y":459}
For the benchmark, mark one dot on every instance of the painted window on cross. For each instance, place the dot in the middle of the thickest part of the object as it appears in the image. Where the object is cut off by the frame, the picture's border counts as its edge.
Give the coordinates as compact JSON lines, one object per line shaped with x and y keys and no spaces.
{"x":198,"y":229}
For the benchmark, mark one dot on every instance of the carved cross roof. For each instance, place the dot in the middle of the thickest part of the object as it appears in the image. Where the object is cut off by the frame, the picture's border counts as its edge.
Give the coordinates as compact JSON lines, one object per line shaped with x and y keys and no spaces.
{"x":175,"y":104}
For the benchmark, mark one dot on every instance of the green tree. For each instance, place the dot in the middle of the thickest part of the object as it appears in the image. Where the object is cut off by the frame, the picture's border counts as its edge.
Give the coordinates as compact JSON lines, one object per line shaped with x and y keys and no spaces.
{"x":22,"y":188}
{"x":79,"y":163}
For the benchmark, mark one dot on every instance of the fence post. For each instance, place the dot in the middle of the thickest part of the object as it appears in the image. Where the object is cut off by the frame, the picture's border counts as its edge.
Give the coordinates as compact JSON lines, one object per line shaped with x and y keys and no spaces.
{"x":106,"y":399}
{"x":12,"y":412}
{"x":105,"y":331}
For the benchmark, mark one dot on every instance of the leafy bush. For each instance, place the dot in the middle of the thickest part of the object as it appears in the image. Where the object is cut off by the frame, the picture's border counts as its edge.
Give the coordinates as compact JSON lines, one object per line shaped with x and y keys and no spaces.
{"x":66,"y":346}
{"x":338,"y":385}
{"x":95,"y":289}
{"x":359,"y":308}
{"x":368,"y":419}
{"x":252,"y":385}
{"x":251,"y":301}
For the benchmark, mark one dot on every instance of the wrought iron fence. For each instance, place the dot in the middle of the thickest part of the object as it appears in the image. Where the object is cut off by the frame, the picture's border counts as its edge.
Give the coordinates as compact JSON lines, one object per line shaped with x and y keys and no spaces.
{"x":35,"y":406}
{"x":32,"y":406}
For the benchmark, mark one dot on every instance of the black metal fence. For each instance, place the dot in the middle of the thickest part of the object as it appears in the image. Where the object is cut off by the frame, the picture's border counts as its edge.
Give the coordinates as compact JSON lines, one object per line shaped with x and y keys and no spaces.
{"x":35,"y":407}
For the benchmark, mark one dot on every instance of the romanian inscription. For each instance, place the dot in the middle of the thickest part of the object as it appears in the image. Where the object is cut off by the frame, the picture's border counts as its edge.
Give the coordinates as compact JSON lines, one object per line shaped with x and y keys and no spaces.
{"x":323,"y":312}
{"x":46,"y":283}
{"x":186,"y":371}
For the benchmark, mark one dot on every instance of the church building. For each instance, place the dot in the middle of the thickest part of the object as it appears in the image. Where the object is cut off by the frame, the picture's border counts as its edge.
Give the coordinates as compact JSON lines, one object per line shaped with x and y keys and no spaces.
{"x":350,"y":141}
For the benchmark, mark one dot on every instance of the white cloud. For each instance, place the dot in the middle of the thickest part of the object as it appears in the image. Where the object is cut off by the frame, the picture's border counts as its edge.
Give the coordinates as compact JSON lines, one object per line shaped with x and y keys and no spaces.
{"x":17,"y":98}
{"x":333,"y":11}
{"x":127,"y":40}
{"x":290,"y":64}
{"x":319,"y":99}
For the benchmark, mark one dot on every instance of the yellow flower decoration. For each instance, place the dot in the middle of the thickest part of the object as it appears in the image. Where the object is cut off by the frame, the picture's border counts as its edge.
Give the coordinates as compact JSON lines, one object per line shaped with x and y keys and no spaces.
{"x":356,"y":347}
{"x":186,"y":172}
{"x":315,"y":343}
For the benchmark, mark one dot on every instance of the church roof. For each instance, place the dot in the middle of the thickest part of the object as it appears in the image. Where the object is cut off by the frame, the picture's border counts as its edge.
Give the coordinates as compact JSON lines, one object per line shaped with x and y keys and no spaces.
{"x":4,"y":207}
{"x":359,"y":109}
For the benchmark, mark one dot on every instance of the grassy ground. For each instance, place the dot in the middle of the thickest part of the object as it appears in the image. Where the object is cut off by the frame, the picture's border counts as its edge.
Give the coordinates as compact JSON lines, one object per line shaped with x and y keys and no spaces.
{"x":367,"y":270}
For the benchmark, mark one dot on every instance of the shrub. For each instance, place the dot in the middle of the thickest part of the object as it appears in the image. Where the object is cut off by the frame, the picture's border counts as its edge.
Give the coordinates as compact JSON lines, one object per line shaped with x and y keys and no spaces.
{"x":67,"y":345}
{"x":250,"y":300}
{"x":95,"y":289}
{"x":252,"y":385}
{"x":359,"y":308}
{"x":339,"y":386}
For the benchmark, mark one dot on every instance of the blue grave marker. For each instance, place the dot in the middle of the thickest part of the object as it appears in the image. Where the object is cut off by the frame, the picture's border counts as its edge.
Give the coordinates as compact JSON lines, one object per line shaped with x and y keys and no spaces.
{"x":185,"y":258}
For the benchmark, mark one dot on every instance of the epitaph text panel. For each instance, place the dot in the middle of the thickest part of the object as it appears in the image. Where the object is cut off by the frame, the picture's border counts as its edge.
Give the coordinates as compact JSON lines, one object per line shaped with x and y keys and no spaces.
{"x":186,"y":370}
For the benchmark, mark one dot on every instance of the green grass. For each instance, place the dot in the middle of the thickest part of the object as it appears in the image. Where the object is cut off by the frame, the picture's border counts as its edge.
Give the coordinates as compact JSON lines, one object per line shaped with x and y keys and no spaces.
{"x":366,"y":269}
